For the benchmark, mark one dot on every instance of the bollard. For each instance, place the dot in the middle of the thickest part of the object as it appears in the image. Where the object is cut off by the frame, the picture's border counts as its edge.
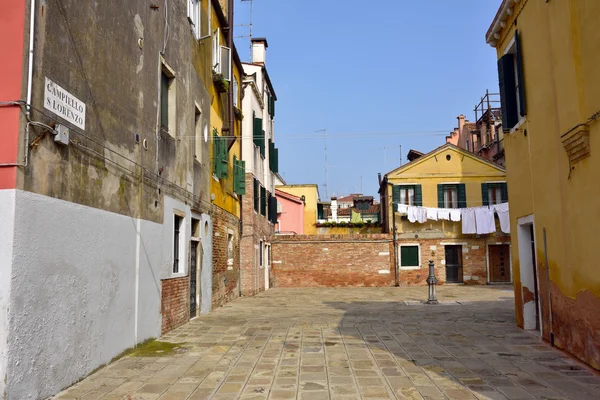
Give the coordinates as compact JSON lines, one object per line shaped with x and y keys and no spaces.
{"x":431,"y":282}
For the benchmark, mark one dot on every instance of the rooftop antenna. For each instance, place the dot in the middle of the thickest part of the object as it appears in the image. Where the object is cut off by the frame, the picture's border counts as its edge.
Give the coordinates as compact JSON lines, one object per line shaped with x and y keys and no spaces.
{"x":326,"y":166}
{"x":249,"y":26}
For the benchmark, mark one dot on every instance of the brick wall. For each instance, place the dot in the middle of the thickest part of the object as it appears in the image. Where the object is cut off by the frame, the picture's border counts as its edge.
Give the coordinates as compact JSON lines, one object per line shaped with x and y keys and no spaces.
{"x":175,"y":306}
{"x":333,"y":260}
{"x":359,"y":260}
{"x":256,"y":227}
{"x":225,"y":275}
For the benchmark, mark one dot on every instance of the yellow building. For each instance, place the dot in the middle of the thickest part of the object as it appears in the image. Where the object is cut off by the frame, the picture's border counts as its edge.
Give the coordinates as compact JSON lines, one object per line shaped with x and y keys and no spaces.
{"x":548,"y":62}
{"x":310,"y":194}
{"x":446,"y":178}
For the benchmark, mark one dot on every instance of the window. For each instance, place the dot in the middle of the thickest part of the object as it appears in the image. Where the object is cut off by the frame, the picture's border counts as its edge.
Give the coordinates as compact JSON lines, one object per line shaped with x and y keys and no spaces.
{"x":259,"y":135}
{"x":239,"y":176}
{"x":263,"y":201}
{"x":194,"y":16}
{"x":236,"y":93}
{"x":411,"y":195}
{"x":215,"y":49}
{"x":177,"y":225}
{"x":512,"y":90}
{"x":260,"y":254}
{"x":410,"y":256}
{"x":198,"y":133}
{"x":229,"y":248}
{"x":168,"y":115}
{"x":256,"y":195}
{"x":494,"y":193}
{"x":220,"y":156}
{"x":452,"y":195}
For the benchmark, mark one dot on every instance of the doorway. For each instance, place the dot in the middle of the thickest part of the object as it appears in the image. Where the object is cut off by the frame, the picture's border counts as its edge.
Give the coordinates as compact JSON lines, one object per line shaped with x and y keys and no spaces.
{"x":267,"y":266}
{"x":195,"y":268}
{"x":528,"y":272}
{"x":454,"y":267}
{"x":499,"y":263}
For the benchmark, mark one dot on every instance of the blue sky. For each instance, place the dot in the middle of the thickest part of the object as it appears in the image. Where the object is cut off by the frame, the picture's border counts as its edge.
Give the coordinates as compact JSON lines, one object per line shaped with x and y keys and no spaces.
{"x":376,"y":75}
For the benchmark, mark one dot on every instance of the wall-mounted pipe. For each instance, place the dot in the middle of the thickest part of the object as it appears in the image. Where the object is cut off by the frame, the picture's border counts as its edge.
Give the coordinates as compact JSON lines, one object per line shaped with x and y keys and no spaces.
{"x":30,"y":67}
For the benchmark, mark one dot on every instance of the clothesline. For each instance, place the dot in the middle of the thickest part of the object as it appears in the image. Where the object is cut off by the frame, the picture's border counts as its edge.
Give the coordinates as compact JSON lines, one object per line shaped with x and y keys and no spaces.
{"x":475,"y":220}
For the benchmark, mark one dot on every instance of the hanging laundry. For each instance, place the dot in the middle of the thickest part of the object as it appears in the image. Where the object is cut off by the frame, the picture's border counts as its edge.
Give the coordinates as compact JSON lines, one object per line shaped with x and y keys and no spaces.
{"x":468,"y":220}
{"x":503,"y":216}
{"x":411,"y":213}
{"x":432,"y":214}
{"x":484,"y":219}
{"x":444,"y":213}
{"x":455,"y":214}
{"x":421,"y":215}
{"x":402,"y":208}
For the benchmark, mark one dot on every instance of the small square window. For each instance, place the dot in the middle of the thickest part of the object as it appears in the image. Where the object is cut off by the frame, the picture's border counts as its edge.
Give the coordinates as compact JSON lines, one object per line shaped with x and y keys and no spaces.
{"x":409,"y":256}
{"x":229,"y":249}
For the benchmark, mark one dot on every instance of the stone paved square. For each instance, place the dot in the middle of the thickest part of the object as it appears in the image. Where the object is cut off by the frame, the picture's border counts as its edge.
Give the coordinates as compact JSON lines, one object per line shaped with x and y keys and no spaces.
{"x":354,"y":343}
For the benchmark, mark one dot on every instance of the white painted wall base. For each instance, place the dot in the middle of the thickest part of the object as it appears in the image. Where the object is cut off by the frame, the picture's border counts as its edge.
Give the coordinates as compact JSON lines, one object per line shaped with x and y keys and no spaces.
{"x":84,"y":286}
{"x":7,"y":219}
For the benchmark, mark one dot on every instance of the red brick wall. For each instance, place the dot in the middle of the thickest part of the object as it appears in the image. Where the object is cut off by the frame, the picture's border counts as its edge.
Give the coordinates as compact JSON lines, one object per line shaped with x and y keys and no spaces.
{"x":225,"y":277}
{"x":175,"y":306}
{"x":256,"y":227}
{"x":333,"y":260}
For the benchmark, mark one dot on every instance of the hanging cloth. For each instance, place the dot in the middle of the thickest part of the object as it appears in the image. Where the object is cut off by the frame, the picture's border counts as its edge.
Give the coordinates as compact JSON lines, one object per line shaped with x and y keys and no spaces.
{"x":468,"y":221}
{"x":455,"y":214}
{"x":503,"y":216}
{"x":402,"y":208}
{"x":484,"y":218}
{"x":412,"y":214}
{"x":421,"y":215}
{"x":432,"y":214}
{"x":444,"y":213}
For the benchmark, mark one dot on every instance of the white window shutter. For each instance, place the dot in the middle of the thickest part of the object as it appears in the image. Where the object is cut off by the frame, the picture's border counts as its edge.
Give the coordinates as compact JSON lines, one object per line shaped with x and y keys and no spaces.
{"x":216,"y":52}
{"x":225,"y":63}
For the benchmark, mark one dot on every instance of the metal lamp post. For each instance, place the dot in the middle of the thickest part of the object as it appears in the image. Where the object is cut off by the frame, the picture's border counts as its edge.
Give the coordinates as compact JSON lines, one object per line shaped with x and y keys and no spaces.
{"x":431,"y":282}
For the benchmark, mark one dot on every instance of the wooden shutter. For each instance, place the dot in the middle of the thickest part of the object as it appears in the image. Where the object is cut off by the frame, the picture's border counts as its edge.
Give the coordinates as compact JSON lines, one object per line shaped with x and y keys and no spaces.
{"x":462,"y":195}
{"x":276,"y":161}
{"x":418,"y":196}
{"x":440,"y":189}
{"x":257,"y":131}
{"x":504,"y":189}
{"x":215,"y":154}
{"x":522,"y":104}
{"x":224,"y":158}
{"x":273,"y":107}
{"x":508,"y":96}
{"x":263,"y":200}
{"x":396,"y":195}
{"x":239,"y":176}
{"x":271,"y":155}
{"x":409,"y":256}
{"x":485,"y":199}
{"x":262,"y":144}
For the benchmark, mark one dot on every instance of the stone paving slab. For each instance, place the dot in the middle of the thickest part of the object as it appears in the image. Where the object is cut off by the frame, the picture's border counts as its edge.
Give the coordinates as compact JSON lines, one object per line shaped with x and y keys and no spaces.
{"x":351,"y":343}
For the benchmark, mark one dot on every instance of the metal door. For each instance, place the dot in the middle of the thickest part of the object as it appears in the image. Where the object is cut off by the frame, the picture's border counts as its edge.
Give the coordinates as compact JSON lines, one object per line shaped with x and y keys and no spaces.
{"x":454,"y":269}
{"x":193,"y":277}
{"x":499,"y":256}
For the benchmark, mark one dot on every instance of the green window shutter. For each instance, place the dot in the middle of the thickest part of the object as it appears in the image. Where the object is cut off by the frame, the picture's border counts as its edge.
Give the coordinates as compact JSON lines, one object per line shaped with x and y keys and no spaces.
{"x":216,"y":154}
{"x":396,"y":194}
{"x":409,"y":256}
{"x":269,"y":103}
{"x":256,"y":194}
{"x":504,"y":188}
{"x":485,"y":199}
{"x":164,"y":100}
{"x":418,"y":196}
{"x":239,"y":176}
{"x":276,"y":161}
{"x":258,"y":131}
{"x":462,"y":195}
{"x":224,"y":159}
{"x":262,"y":144}
{"x":263,"y":199}
{"x":271,"y":155}
{"x":440,"y":196}
{"x":273,"y":107}
{"x":522,"y":104}
{"x":508,"y":95}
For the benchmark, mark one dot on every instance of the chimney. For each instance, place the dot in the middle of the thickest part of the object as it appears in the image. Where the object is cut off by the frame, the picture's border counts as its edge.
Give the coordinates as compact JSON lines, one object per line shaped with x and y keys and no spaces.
{"x":259,"y":51}
{"x":334,"y":209}
{"x":461,"y":123}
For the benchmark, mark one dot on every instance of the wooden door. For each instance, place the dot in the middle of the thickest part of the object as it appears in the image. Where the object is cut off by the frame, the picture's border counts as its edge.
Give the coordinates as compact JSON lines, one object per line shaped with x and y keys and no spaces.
{"x":499,"y":258}
{"x":454,"y":269}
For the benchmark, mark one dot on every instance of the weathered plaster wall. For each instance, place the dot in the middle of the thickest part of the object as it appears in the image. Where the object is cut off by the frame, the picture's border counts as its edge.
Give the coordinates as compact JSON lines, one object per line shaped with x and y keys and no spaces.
{"x":7,"y":219}
{"x":73,"y":295}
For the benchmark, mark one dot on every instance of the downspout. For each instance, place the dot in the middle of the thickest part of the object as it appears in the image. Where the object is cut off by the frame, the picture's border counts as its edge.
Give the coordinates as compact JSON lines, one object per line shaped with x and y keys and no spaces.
{"x":30,"y":67}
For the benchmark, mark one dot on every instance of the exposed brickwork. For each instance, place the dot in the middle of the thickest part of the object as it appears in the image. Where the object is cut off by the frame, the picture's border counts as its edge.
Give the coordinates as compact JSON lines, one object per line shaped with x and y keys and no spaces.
{"x":256,"y":228}
{"x":225,"y":275}
{"x":358,"y":260}
{"x":473,"y":260}
{"x":333,"y":260}
{"x":175,"y":306}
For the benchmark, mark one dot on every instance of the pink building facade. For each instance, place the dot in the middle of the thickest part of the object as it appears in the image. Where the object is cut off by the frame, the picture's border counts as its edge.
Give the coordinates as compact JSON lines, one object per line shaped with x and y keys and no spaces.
{"x":290,"y":213}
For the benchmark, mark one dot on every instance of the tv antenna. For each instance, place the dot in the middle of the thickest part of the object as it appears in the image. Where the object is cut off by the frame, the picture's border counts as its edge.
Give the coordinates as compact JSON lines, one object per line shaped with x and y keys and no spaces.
{"x":326,"y":166}
{"x":248,"y":25}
